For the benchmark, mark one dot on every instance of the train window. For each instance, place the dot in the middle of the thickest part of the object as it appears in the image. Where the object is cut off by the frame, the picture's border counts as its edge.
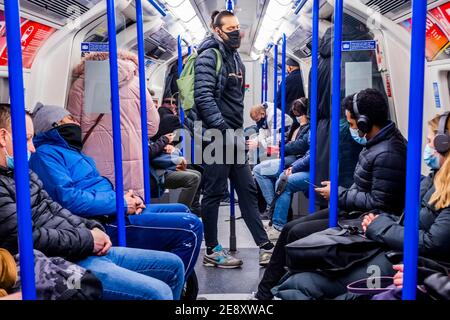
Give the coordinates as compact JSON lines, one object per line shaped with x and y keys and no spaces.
{"x":4,"y":90}
{"x":359,"y":60}
{"x":100,"y":33}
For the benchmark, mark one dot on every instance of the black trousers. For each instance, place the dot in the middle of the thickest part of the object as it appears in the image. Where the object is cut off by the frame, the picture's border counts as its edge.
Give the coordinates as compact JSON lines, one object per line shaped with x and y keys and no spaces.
{"x":215,"y":183}
{"x":292,"y":231}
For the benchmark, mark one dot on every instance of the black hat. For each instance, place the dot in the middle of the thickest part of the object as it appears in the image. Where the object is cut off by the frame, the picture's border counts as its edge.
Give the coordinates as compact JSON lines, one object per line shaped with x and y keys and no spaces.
{"x":291,"y":62}
{"x":168,"y":124}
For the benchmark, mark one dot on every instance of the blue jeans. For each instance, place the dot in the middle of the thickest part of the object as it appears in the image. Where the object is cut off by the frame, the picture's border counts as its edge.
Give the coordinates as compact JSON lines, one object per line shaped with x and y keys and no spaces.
{"x":136,"y":274}
{"x":178,"y":232}
{"x":167,"y":207}
{"x":296,"y":182}
{"x":266,"y":174}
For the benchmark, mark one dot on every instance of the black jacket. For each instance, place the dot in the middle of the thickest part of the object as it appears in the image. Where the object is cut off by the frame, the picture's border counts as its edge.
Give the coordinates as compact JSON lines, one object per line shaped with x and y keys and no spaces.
{"x":434,"y":228}
{"x":219,"y":100}
{"x":379,"y":175}
{"x":294,"y":90}
{"x":56,"y":232}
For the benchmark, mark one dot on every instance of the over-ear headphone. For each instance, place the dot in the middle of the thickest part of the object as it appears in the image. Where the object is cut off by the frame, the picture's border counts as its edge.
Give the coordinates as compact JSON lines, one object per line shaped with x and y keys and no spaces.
{"x":442,"y":139}
{"x":363,"y":122}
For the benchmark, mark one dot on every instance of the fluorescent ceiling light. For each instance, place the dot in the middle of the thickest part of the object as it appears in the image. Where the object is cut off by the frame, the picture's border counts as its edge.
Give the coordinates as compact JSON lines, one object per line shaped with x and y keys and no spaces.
{"x":276,"y":11}
{"x":184,"y":11}
{"x":194,"y":24}
{"x":174,"y":3}
{"x":284,"y":2}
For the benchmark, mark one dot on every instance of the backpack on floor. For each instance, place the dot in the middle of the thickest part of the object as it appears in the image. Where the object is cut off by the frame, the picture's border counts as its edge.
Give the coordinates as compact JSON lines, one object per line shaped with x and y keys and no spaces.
{"x":278,"y":192}
{"x":187,"y":80}
{"x":59,"y":279}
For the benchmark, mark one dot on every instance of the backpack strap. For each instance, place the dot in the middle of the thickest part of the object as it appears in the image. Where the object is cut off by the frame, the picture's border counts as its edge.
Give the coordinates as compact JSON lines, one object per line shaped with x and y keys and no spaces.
{"x":219,"y":60}
{"x":88,"y":134}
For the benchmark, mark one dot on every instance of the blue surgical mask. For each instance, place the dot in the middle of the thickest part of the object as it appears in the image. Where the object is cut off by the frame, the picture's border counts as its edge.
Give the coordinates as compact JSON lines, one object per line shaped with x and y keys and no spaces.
{"x":10,"y":159}
{"x":357,"y":138}
{"x":431,"y":158}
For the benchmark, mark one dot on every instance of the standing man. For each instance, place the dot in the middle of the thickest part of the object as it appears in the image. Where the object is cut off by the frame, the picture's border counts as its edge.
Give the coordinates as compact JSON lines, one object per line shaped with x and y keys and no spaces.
{"x":219,"y":104}
{"x":294,"y":86}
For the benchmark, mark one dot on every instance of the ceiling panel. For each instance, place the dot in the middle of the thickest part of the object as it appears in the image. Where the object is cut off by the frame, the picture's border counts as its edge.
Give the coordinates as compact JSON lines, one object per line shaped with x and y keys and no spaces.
{"x":248,"y":12}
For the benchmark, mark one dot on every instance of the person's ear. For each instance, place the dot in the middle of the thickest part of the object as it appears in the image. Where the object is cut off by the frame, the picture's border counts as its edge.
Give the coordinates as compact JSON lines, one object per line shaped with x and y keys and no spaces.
{"x":3,"y":136}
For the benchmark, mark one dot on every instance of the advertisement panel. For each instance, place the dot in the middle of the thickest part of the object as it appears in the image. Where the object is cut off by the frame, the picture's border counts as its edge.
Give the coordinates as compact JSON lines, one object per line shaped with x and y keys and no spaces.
{"x":34,"y":35}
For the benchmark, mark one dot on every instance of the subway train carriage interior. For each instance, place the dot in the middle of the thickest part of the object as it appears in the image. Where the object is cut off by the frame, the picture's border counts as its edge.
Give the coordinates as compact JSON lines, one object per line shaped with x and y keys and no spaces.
{"x":224,"y":150}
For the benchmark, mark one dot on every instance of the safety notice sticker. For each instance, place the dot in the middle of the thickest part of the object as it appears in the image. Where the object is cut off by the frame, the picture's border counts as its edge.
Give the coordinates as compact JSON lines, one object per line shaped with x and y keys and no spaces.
{"x":361,"y":45}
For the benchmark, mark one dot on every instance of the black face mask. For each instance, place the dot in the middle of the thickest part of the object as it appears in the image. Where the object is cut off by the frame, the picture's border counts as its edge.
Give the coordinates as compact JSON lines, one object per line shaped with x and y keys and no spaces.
{"x":262,"y":123}
{"x":71,"y":133}
{"x":234,"y":39}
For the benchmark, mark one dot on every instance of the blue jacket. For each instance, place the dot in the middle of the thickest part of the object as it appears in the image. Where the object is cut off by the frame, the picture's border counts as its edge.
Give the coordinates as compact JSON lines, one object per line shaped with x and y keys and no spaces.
{"x":71,"y":178}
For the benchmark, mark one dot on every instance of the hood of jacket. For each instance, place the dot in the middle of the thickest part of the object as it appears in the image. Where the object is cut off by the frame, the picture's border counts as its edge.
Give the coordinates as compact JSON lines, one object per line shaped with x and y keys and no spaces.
{"x":127,"y":61}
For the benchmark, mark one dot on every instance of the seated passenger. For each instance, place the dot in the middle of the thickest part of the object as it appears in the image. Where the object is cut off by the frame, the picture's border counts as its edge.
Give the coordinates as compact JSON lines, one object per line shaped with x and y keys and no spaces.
{"x":125,"y":273}
{"x":387,"y":228}
{"x":297,"y":180}
{"x":297,"y":145}
{"x":263,"y":115}
{"x":71,"y":178}
{"x":96,"y":128}
{"x":172,"y":166}
{"x":379,"y":179}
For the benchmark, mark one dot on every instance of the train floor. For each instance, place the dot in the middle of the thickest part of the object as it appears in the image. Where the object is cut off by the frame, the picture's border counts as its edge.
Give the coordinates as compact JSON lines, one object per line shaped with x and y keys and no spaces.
{"x":231,"y":284}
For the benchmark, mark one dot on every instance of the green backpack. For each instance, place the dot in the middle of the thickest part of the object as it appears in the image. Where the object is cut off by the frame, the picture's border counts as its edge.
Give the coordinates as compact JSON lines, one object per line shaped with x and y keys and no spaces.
{"x":187,"y":79}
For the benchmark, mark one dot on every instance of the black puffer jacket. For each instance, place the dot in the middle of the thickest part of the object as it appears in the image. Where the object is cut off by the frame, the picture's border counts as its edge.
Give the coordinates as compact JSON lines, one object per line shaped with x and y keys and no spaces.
{"x":434,"y":228}
{"x":219,"y":100}
{"x":379,"y":175}
{"x":294,"y":90}
{"x":56,"y":232}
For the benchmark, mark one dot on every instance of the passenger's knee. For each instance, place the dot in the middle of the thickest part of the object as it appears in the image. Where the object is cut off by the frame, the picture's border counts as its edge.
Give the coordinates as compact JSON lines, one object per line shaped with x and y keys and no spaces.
{"x":160,"y":292}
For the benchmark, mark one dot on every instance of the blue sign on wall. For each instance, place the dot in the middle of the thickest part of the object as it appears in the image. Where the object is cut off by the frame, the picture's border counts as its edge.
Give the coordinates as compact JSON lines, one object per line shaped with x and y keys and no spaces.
{"x":437,"y":97}
{"x":361,"y":45}
{"x":94,"y":47}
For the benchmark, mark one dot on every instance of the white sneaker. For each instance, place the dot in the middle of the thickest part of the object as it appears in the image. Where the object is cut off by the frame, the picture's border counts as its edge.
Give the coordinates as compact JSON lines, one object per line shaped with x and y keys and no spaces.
{"x":273,"y":234}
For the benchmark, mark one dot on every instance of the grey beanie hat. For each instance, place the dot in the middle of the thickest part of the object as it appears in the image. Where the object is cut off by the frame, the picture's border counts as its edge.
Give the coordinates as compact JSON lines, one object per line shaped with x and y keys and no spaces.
{"x":44,"y":117}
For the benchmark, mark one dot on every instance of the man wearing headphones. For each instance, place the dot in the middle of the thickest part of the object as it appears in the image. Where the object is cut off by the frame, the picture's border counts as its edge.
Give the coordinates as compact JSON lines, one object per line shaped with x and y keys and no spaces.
{"x":380,"y":173}
{"x":380,"y":177}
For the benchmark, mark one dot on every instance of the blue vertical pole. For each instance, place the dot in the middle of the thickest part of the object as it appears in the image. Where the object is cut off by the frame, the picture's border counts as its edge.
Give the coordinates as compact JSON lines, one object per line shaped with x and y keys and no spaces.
{"x":283,"y":101}
{"x":275,"y":91}
{"x":180,"y":70}
{"x":263,"y":75}
{"x":115,"y":102}
{"x":314,"y":100}
{"x":266,"y":78}
{"x":413,"y":166}
{"x":230,"y":7}
{"x":336,"y":113}
{"x":18,"y":125}
{"x":143,"y":97}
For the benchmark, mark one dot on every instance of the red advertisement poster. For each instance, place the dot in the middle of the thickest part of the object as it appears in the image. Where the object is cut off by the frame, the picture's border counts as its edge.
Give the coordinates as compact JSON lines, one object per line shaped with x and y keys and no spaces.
{"x":34,"y":35}
{"x":437,"y":40}
{"x":441,"y":15}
